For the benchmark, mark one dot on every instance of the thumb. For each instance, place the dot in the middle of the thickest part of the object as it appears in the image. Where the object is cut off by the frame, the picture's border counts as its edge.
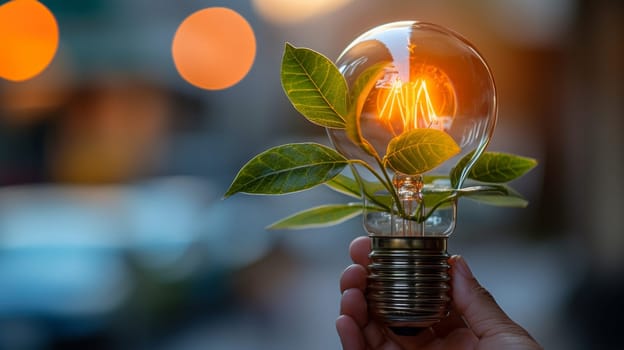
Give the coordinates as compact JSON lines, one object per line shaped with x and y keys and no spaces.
{"x":476,"y":304}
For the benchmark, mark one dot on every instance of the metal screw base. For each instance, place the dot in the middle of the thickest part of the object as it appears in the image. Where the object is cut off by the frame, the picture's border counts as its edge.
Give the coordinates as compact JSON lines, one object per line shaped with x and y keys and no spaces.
{"x":408,"y":281}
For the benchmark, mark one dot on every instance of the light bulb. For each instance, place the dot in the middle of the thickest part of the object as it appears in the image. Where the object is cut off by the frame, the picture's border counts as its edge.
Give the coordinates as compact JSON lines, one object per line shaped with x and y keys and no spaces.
{"x":431,"y":78}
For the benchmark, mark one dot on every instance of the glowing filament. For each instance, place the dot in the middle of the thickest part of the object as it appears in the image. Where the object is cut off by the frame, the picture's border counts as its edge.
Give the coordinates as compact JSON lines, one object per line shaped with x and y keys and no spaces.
{"x":413,"y":104}
{"x":425,"y":102}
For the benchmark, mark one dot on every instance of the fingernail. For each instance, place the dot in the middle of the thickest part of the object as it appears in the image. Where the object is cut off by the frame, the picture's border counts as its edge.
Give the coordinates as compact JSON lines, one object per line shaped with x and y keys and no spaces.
{"x":461,"y":267}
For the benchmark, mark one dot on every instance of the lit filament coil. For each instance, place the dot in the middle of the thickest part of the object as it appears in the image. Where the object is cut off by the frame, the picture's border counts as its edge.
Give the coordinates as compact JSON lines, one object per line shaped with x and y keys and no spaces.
{"x":425,"y":102}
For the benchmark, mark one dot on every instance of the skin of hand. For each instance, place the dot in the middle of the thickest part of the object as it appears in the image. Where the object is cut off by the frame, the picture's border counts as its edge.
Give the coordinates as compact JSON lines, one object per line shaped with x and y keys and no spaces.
{"x":475,"y":321}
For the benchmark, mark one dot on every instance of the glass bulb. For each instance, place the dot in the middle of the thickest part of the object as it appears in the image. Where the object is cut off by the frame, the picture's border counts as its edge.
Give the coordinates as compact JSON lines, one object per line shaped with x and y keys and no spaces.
{"x":432,"y":78}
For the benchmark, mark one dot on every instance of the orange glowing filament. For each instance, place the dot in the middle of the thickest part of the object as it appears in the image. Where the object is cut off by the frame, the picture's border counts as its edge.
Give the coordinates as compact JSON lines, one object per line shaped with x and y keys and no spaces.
{"x":425,"y":102}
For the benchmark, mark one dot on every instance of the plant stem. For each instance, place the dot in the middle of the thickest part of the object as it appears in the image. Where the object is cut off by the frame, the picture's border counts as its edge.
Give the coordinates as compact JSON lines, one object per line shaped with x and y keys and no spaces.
{"x":419,"y":218}
{"x":450,"y":198}
{"x":365,"y":193}
{"x":386,"y":182}
{"x":392,"y":190}
{"x":371,"y":170}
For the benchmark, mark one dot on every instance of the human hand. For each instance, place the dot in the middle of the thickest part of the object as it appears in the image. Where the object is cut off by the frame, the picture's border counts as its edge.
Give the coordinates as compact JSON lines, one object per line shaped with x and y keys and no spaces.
{"x":475,"y":320}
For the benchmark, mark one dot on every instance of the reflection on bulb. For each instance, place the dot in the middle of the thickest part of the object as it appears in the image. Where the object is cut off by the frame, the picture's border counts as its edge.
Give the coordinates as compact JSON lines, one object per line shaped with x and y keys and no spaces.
{"x":431,"y":78}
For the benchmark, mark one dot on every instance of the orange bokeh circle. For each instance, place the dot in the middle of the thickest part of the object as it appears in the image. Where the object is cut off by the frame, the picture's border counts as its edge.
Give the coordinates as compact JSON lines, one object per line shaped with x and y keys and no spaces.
{"x":29,"y":39}
{"x":214,"y":48}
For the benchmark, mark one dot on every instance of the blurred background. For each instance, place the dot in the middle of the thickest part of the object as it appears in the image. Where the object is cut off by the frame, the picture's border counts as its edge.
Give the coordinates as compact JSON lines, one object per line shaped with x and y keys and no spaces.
{"x":113,"y":233}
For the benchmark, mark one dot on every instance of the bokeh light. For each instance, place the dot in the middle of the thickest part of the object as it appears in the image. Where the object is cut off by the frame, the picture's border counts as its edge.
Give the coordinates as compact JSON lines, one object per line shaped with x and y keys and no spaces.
{"x":214,"y":48}
{"x":286,"y":12}
{"x":29,"y":39}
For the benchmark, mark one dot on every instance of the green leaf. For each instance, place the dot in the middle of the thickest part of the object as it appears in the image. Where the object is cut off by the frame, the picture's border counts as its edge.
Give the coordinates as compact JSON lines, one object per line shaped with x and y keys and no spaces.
{"x":500,"y":196}
{"x":361,"y":88}
{"x":314,"y":86}
{"x":419,"y":150}
{"x":288,"y":168}
{"x":350,"y":187}
{"x":495,"y":195}
{"x":321,"y":216}
{"x":494,"y":167}
{"x":501,"y":167}
{"x":345,"y":185}
{"x":458,"y":169}
{"x":433,"y":198}
{"x":431,"y":178}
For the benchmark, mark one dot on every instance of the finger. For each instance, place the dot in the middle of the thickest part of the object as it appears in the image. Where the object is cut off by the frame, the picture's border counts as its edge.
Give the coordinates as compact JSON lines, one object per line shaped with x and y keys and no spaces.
{"x":462,"y":338}
{"x":449,"y":324}
{"x":350,"y":334}
{"x":353,"y":276}
{"x":476,"y":304}
{"x":353,"y":304}
{"x":359,"y":250}
{"x":376,"y":338}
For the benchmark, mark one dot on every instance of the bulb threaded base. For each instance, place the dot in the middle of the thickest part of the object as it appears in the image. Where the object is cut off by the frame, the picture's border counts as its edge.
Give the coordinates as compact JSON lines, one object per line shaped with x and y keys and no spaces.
{"x":408,"y":282}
